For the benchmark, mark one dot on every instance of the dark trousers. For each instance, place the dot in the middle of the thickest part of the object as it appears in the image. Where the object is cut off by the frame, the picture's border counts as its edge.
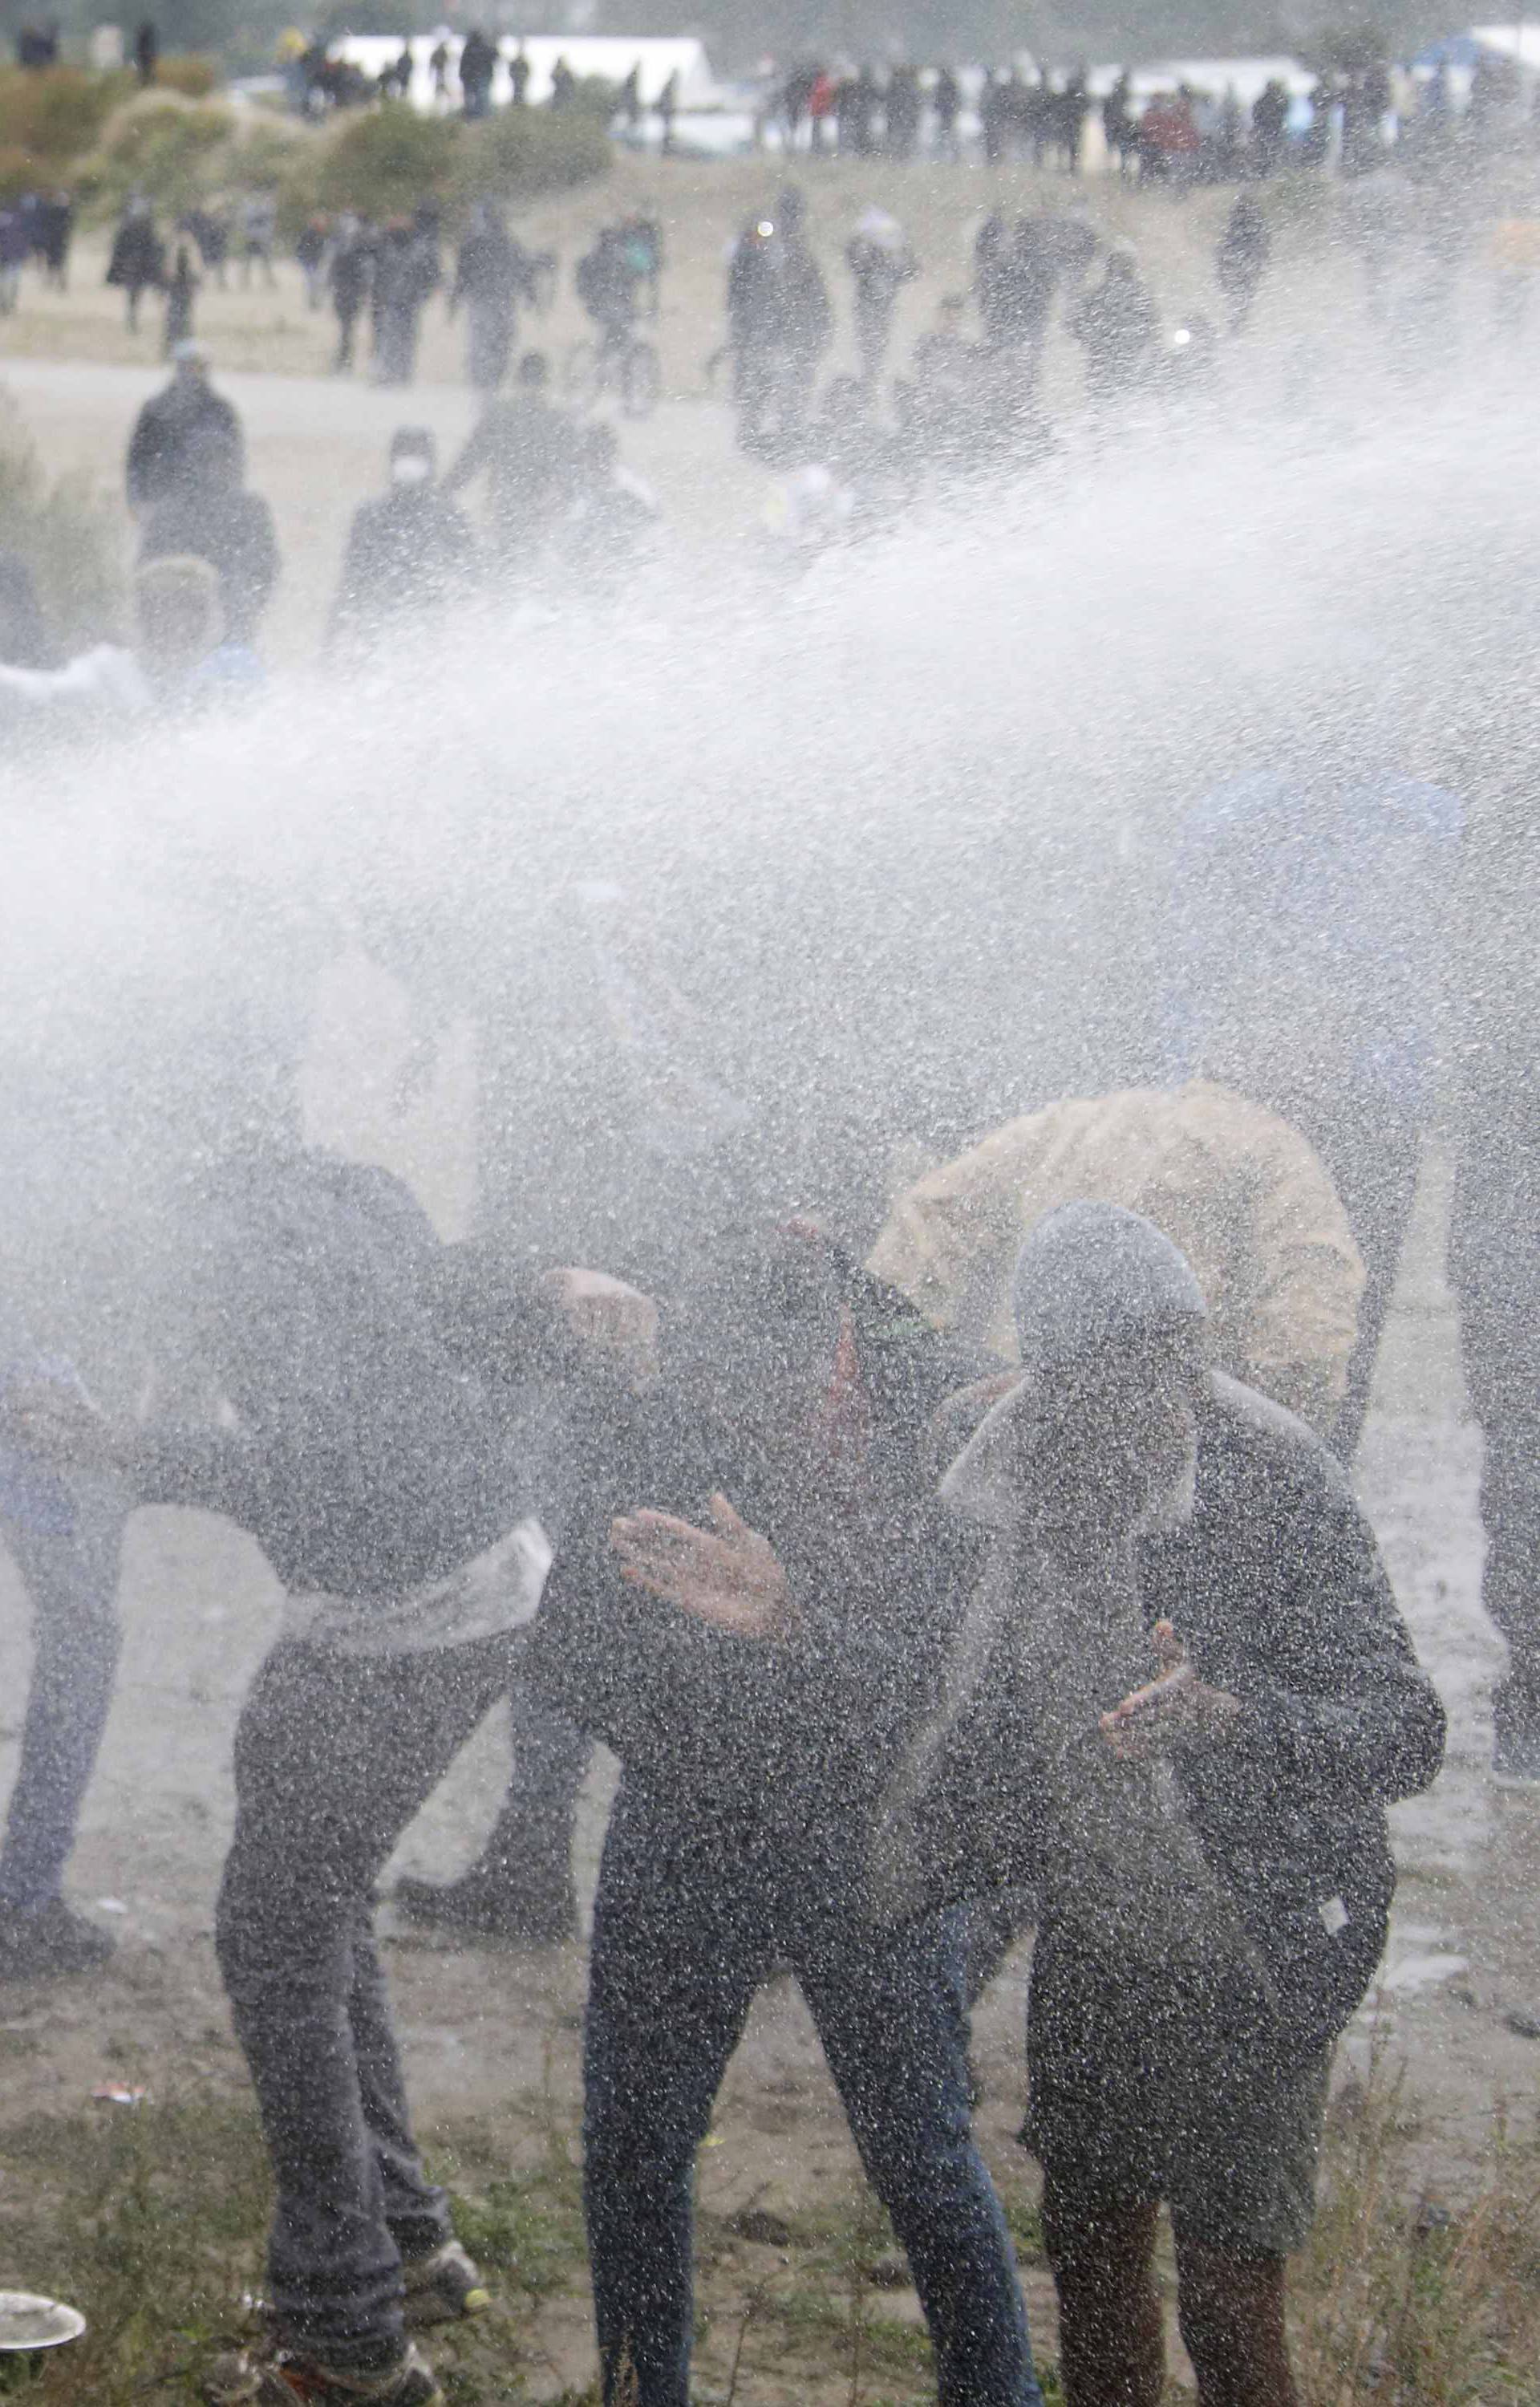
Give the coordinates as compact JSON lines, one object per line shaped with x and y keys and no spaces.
{"x":72,"y":1581}
{"x":1494,"y":1266}
{"x":693,"y":1911}
{"x":529,"y":1850}
{"x":1374,"y":1154}
{"x":334,"y":1754}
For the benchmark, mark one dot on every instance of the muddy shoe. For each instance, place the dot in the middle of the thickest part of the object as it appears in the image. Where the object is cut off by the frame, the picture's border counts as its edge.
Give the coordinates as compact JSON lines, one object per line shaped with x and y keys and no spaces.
{"x":50,"y":1942}
{"x":283,"y":2377}
{"x":490,"y":1907}
{"x":443,"y":2288}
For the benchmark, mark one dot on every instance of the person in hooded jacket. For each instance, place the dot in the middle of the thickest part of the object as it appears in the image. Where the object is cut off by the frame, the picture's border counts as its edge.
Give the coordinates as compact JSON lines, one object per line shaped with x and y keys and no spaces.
{"x":1116,"y":324}
{"x":752,"y":1736}
{"x":1241,"y":1192}
{"x":210,"y":515}
{"x":409,"y":550}
{"x":178,"y":433}
{"x":1200,"y":1944}
{"x":494,"y":273}
{"x":880,"y":263}
{"x":778,"y":325}
{"x":136,"y":265}
{"x":1240,"y":260}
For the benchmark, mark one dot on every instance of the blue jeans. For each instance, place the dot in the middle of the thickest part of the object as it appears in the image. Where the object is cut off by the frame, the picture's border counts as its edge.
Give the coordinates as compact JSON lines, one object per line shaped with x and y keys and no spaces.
{"x":71,"y":1577}
{"x":334,"y":1754}
{"x":693,"y":1910}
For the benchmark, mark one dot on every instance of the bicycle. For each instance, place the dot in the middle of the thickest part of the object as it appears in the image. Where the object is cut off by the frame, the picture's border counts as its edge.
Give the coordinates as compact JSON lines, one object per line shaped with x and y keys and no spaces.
{"x":621,"y":363}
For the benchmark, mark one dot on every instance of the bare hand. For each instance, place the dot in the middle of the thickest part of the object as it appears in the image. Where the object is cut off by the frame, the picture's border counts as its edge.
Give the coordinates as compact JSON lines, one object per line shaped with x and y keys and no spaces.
{"x":609,"y":1316}
{"x":732,"y":1579}
{"x":1175,"y":1711}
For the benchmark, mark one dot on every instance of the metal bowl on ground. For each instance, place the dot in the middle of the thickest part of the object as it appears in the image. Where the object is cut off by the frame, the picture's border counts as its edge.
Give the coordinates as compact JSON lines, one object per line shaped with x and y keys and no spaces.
{"x":28,"y":2322}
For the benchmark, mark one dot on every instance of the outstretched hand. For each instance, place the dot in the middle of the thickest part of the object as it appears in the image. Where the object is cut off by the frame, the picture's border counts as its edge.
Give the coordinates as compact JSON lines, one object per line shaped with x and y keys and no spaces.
{"x":1174,"y":1710}
{"x":729,"y":1577}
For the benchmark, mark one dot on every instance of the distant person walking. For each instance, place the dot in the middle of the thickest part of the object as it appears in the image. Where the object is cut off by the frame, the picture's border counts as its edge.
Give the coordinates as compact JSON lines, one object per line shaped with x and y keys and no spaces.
{"x":528,"y":453}
{"x":1116,"y":324}
{"x":1240,"y":262}
{"x":351,"y":278}
{"x":410,"y":551}
{"x":310,"y":251}
{"x":14,"y":250}
{"x":494,"y":273}
{"x":137,"y":261}
{"x":779,"y":326}
{"x":56,"y":233}
{"x":258,"y":230}
{"x":210,"y":516}
{"x":178,"y":431}
{"x":880,"y":263}
{"x":147,"y":52}
{"x":477,"y":66}
{"x":181,"y":295}
{"x":407,"y":275}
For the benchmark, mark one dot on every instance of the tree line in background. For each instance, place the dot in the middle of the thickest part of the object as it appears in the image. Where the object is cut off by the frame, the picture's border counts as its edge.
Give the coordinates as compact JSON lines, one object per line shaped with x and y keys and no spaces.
{"x":180,"y":147}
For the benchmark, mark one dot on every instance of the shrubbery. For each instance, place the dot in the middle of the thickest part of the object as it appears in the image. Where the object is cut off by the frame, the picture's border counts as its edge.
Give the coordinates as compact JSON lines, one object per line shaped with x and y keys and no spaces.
{"x":170,"y":149}
{"x":51,"y":118}
{"x":178,"y":146}
{"x":69,"y":534}
{"x":523,"y":151}
{"x":383,"y":162}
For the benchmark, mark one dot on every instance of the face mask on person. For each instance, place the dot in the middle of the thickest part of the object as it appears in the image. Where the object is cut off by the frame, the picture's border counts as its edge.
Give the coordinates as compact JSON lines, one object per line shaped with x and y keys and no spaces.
{"x":410,"y":469}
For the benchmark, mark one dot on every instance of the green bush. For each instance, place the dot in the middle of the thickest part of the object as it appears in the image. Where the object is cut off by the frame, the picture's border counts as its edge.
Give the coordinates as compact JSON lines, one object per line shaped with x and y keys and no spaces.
{"x":189,"y":73}
{"x":56,"y":116}
{"x":383,"y":162}
{"x":69,"y":534}
{"x":521,"y":152}
{"x":171,"y":149}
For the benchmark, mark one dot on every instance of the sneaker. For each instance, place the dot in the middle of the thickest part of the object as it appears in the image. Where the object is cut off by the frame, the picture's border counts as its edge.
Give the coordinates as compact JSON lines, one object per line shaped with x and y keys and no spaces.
{"x":285,"y":2377}
{"x":488,"y":1906}
{"x":50,"y":1942}
{"x":443,"y":2288}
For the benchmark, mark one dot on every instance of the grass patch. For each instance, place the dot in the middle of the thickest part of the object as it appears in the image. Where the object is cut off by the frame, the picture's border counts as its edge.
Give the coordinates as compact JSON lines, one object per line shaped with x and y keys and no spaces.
{"x":152,"y":2220}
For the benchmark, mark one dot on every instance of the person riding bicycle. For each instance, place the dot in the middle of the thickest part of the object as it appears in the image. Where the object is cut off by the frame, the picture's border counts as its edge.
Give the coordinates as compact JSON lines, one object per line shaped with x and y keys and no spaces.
{"x":609,"y":279}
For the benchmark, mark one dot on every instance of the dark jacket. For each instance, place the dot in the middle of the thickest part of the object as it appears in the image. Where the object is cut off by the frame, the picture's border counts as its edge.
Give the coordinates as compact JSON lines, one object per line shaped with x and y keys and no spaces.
{"x":176,"y":434}
{"x":1277,"y":1587}
{"x":231,"y":528}
{"x":407,"y":550}
{"x":805,"y":1732}
{"x":138,"y":255}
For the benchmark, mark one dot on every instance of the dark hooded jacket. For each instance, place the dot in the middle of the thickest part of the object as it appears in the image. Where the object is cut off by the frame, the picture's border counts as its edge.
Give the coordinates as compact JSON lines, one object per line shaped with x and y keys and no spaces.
{"x":804,"y":1733}
{"x":1277,"y":1588}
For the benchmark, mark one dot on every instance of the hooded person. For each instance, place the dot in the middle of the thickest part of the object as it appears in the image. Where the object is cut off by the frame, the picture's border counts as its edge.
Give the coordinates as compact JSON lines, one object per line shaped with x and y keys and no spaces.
{"x":410,"y":551}
{"x":1243,"y":1194}
{"x":1208,"y":1849}
{"x":880,"y":263}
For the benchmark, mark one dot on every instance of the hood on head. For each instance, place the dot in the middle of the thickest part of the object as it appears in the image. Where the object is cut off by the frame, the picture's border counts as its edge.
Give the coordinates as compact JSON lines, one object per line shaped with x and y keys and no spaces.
{"x":1094,"y":1275}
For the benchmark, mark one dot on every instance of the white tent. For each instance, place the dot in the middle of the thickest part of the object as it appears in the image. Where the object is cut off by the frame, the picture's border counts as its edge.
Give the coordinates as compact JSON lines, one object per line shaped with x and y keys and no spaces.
{"x":606,"y":55}
{"x":1519,"y":43}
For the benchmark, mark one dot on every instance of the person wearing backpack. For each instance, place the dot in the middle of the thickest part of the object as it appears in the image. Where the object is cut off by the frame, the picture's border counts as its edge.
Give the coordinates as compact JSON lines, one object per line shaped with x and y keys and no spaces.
{"x":391,"y":1398}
